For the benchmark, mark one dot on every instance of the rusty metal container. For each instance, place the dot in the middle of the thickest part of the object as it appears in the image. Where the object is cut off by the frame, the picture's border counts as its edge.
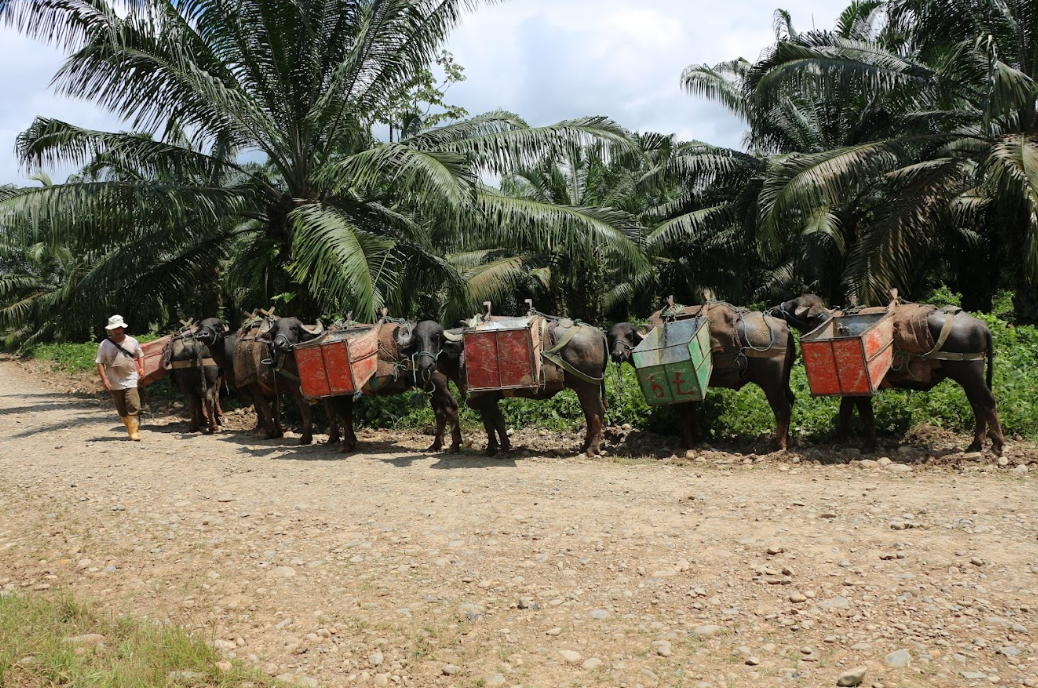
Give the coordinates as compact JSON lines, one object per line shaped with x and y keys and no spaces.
{"x":503,"y":354}
{"x":153,"y":370}
{"x":849,"y":355}
{"x":337,"y":363}
{"x":673,"y":362}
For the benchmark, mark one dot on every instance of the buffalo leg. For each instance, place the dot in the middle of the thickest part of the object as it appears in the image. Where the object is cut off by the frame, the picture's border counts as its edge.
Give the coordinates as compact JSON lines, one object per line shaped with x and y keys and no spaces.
{"x":264,"y":414}
{"x":498,"y":419}
{"x":446,"y":409}
{"x":594,"y":414}
{"x":210,"y":410}
{"x":342,"y":409}
{"x":307,"y":413}
{"x":220,"y":382}
{"x":486,"y":405}
{"x":865,"y":412}
{"x":194,"y":410}
{"x":847,"y":405}
{"x":971,"y":378}
{"x":688,"y":424}
{"x":486,"y":415}
{"x":275,"y":409}
{"x":333,"y":421}
{"x":783,"y":410}
{"x":497,"y":430}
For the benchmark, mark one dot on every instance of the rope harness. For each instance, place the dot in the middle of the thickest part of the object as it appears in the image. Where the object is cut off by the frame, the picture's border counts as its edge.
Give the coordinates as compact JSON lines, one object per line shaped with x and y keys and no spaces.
{"x":739,"y":359}
{"x":554,"y":354}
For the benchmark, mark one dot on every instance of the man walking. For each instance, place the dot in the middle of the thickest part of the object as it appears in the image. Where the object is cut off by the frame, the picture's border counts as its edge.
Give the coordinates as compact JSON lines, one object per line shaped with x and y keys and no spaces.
{"x":120,"y":363}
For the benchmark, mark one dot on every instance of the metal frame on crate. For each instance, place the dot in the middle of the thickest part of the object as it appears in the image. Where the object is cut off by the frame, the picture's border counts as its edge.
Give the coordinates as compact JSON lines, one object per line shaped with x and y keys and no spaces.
{"x":339,"y":362}
{"x":503,"y":354}
{"x":678,"y":371}
{"x":843,"y":359}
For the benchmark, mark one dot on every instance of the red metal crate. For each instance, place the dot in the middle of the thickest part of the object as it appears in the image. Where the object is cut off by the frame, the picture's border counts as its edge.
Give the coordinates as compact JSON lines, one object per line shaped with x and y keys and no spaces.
{"x":850,"y":354}
{"x":153,"y":370}
{"x":504,"y":354}
{"x":337,"y":363}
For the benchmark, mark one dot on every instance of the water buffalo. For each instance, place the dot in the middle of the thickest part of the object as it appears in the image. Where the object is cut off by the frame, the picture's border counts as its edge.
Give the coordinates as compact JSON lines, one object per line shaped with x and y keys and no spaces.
{"x":967,"y":337}
{"x":220,"y":341}
{"x":195,"y":373}
{"x":585,"y":352}
{"x":759,"y":349}
{"x":264,"y":364}
{"x":407,"y":355}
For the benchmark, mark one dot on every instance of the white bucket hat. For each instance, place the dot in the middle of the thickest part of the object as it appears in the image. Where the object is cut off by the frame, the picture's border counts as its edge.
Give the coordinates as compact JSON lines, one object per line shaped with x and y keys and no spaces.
{"x":114,"y":322}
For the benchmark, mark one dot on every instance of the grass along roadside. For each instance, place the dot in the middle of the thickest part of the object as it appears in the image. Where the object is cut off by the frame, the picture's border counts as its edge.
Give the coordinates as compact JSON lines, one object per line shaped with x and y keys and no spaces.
{"x":57,"y":639}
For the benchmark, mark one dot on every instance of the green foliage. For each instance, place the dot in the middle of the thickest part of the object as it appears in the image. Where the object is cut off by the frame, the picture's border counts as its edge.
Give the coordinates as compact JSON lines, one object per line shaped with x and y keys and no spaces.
{"x":942,"y":295}
{"x":134,"y":653}
{"x":1002,"y":305}
{"x":74,"y":358}
{"x":70,"y":358}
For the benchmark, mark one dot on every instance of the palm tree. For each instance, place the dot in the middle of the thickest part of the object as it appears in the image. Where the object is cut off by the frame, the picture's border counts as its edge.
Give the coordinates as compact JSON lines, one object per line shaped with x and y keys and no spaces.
{"x":902,"y":142}
{"x":333,"y":217}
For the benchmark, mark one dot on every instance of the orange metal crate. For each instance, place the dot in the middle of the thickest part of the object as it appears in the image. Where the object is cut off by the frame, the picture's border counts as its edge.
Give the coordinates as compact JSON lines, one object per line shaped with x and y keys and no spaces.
{"x":503,"y":354}
{"x":153,"y":370}
{"x":337,"y":363}
{"x":849,"y":355}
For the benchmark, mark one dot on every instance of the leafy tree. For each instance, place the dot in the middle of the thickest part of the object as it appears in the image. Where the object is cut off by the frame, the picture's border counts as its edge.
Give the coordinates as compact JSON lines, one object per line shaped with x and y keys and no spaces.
{"x":332,"y":219}
{"x":896,"y":147}
{"x":410,"y":109}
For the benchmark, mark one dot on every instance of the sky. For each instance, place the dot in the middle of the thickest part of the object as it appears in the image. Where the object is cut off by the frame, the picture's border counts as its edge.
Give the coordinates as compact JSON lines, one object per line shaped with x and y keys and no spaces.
{"x":545,"y":60}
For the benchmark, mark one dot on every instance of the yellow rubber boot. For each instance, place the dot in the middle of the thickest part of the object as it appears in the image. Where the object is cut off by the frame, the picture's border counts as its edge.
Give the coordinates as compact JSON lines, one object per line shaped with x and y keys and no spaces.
{"x":131,"y":427}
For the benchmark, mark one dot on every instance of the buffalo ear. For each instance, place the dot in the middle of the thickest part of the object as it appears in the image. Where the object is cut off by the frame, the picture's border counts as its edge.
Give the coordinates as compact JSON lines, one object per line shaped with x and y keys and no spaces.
{"x":801,"y":311}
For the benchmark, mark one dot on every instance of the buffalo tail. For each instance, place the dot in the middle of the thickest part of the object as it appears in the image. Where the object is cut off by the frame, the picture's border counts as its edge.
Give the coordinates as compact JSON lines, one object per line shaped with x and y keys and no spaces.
{"x":991,"y":359}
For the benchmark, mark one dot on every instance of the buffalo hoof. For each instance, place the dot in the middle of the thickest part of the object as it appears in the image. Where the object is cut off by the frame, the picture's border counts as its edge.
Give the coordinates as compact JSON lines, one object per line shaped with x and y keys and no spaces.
{"x":306,"y":439}
{"x":347,"y":447}
{"x":974,"y":447}
{"x":491,"y":451}
{"x":434,"y":447}
{"x":455,"y":449}
{"x":996,"y":449}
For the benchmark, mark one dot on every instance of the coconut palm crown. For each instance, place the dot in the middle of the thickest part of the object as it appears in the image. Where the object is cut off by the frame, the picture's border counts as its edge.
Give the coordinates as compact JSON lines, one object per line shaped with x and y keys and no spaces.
{"x":331,"y":212}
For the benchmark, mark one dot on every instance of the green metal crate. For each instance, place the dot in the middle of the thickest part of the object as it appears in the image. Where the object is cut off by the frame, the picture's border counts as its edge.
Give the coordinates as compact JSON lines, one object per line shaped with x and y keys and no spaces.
{"x":673,"y":362}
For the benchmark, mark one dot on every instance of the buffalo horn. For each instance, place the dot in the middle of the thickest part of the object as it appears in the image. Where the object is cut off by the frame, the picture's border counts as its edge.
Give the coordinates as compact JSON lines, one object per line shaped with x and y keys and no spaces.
{"x":451,"y":337}
{"x":315,"y":329}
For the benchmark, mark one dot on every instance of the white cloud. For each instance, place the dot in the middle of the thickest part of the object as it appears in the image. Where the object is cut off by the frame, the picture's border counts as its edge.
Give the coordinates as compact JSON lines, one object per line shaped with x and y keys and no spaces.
{"x":546,"y":60}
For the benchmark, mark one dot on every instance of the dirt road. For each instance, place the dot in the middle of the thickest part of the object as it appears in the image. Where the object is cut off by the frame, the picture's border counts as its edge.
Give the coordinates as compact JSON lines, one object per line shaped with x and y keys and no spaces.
{"x":395,"y":567}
